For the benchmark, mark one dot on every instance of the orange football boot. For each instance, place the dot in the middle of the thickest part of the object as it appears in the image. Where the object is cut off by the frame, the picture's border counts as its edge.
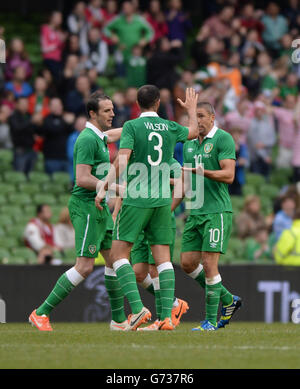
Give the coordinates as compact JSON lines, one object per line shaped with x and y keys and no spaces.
{"x":40,"y":322}
{"x":178,"y":311}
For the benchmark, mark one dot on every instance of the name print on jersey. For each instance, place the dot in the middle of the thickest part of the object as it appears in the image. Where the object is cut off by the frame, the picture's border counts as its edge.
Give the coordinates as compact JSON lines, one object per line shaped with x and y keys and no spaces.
{"x":156,"y":126}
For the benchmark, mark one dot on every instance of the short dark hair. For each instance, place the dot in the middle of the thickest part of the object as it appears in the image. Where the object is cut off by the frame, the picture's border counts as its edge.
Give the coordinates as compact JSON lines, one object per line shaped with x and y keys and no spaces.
{"x":147,"y":96}
{"x":207,"y":106}
{"x":93,"y":102}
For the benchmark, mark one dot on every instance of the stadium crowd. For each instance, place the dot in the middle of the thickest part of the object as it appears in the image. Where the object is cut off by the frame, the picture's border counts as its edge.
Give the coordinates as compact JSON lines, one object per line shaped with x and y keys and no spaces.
{"x":240,"y":58}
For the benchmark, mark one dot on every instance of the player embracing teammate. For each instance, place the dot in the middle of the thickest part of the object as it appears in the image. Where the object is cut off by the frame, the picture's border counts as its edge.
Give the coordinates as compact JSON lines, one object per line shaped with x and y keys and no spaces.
{"x":145,"y":157}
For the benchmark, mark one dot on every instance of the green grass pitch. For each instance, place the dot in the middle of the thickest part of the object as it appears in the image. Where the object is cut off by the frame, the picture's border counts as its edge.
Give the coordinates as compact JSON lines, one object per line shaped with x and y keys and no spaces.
{"x":94,"y":346}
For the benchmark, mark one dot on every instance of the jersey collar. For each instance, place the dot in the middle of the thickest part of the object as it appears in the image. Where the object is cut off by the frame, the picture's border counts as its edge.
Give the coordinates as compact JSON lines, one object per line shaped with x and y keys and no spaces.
{"x":211,"y":132}
{"x":150,"y":113}
{"x":95,"y":129}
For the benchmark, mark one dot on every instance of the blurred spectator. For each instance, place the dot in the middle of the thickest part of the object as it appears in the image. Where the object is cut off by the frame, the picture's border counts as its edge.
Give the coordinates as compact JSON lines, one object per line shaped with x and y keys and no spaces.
{"x":127,"y":30}
{"x":156,"y":18}
{"x":110,"y":10}
{"x":79,"y":125}
{"x":187,"y":80}
{"x":261,"y":139}
{"x":64,"y":233}
{"x":77,"y":18}
{"x":296,"y":156}
{"x":38,"y":101}
{"x":52,"y":87}
{"x":94,"y":49}
{"x":17,"y":56}
{"x":259,"y":247}
{"x":76,"y":99}
{"x":39,"y":235}
{"x":166,"y":109}
{"x":290,"y":87}
{"x":286,"y":131}
{"x":136,"y":68}
{"x":251,"y":218}
{"x":71,"y":71}
{"x":94,"y":14}
{"x":23,"y":128}
{"x":161,"y":66}
{"x":121,"y":110}
{"x":296,"y":146}
{"x":178,"y":21}
{"x":5,"y":138}
{"x":292,"y":13}
{"x":131,"y":103}
{"x":18,"y":86}
{"x":240,"y":118}
{"x":52,"y":43}
{"x":56,"y":128}
{"x":287,"y":249}
{"x":206,"y":48}
{"x":242,"y":162}
{"x":220,"y":25}
{"x":92,"y":75}
{"x":271,"y":81}
{"x":250,"y":19}
{"x":284,"y":218}
{"x":72,"y":47}
{"x":275,"y":26}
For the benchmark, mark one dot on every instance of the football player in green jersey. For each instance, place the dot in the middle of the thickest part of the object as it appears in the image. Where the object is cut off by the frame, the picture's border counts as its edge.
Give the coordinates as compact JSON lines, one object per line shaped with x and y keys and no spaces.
{"x":208,"y":227}
{"x":143,"y":263}
{"x":147,"y":145}
{"x":93,"y":229}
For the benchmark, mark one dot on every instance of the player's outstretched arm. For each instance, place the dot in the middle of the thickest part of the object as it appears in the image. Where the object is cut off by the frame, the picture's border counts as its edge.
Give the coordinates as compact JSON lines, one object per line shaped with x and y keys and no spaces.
{"x":114,"y":134}
{"x":190,"y":104}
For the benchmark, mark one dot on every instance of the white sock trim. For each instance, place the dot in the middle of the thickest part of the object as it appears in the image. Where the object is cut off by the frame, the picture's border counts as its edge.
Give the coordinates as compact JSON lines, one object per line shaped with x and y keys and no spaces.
{"x":165,"y":266}
{"x":155,"y":282}
{"x":108,"y":271}
{"x":214,"y":280}
{"x":73,"y":276}
{"x":119,"y":263}
{"x":194,"y":274}
{"x":146,"y":282}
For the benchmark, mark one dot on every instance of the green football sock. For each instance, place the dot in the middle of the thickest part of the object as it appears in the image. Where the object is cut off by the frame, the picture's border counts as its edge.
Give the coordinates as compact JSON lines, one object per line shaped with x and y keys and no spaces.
{"x":63,"y":287}
{"x":115,"y":295}
{"x":226,"y":297}
{"x":212,"y":298}
{"x":127,"y":281}
{"x":167,"y":286}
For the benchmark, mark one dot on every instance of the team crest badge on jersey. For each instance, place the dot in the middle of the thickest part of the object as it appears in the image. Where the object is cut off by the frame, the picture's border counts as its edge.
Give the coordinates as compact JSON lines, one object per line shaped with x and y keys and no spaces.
{"x":92,"y":248}
{"x":208,"y":148}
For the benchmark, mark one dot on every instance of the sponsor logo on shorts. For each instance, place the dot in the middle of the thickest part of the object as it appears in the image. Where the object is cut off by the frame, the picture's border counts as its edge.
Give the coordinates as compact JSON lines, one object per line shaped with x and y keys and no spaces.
{"x":92,"y":248}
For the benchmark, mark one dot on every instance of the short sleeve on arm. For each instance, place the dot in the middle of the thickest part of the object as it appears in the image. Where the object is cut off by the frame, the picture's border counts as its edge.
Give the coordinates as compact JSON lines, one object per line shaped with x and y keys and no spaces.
{"x":127,"y":137}
{"x":226,"y":147}
{"x":85,"y":150}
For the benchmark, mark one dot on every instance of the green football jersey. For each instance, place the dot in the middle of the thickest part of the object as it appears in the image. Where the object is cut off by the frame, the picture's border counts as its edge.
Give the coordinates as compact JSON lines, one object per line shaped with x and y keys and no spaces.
{"x":152,"y":141}
{"x":91,"y":149}
{"x":216,"y":146}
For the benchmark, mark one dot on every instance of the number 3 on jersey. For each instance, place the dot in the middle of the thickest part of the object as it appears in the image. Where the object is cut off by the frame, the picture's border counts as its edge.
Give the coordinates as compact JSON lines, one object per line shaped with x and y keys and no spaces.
{"x":157,"y":148}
